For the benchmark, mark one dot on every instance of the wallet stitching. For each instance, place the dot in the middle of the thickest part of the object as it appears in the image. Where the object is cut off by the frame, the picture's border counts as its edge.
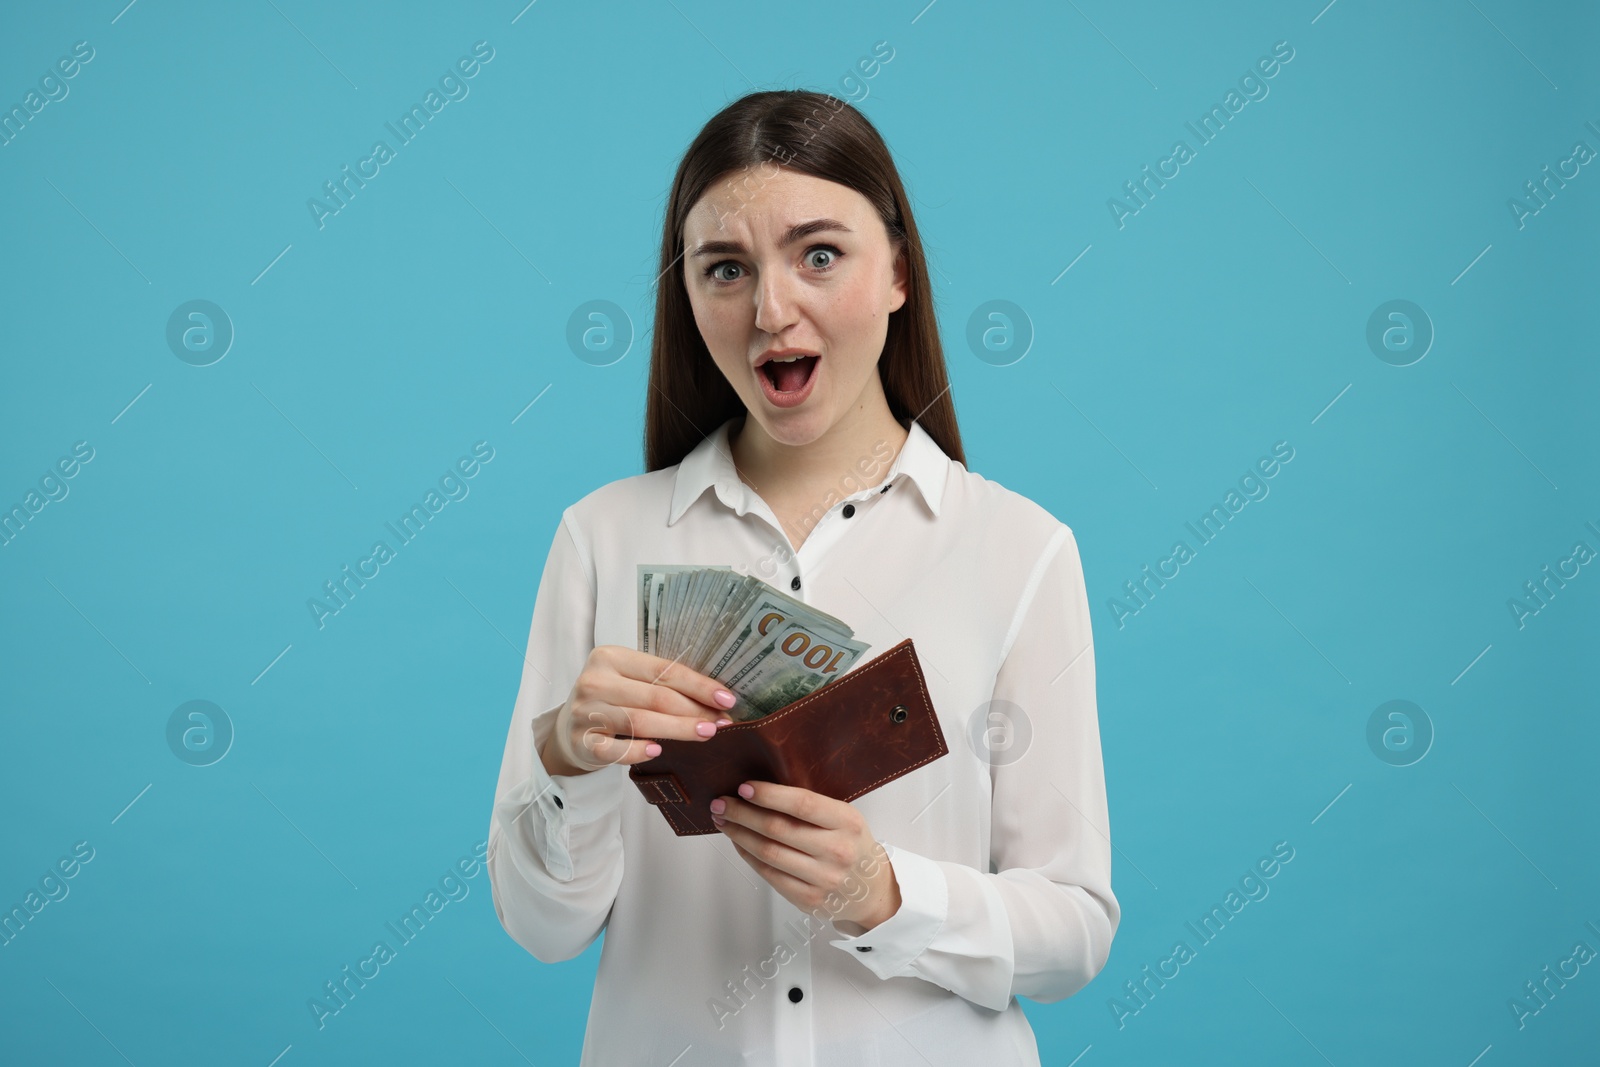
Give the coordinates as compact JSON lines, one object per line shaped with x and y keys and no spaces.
{"x":843,"y":680}
{"x":691,"y":828}
{"x":927,"y":708}
{"x":662,"y":785}
{"x":669,"y":814}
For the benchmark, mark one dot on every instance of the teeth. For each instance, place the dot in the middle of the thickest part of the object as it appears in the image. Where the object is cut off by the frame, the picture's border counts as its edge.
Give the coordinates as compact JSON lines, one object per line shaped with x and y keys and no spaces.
{"x":786,"y":359}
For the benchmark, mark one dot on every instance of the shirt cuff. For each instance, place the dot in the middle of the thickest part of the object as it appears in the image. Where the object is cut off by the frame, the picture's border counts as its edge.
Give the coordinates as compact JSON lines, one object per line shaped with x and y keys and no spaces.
{"x":546,"y":807}
{"x":888,"y":949}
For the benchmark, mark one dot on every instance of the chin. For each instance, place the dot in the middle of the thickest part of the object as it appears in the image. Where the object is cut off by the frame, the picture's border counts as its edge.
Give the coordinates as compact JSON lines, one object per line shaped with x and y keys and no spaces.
{"x":796,"y":427}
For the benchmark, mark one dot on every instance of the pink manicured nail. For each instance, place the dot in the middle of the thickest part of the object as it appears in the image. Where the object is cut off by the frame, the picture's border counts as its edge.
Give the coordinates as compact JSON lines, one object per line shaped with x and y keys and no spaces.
{"x":724,"y":722}
{"x":747,"y":790}
{"x":717,"y":820}
{"x":718,"y":806}
{"x":705,"y":729}
{"x":652,"y":749}
{"x":725,"y":698}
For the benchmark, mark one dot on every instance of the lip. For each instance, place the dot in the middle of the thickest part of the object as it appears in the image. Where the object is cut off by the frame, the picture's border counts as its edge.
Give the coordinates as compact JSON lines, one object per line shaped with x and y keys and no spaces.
{"x":787,"y":400}
{"x":780,"y":353}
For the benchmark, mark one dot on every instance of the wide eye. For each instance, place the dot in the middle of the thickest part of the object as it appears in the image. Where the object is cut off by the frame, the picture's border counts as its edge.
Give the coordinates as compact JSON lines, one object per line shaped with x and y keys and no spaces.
{"x":830,"y":257}
{"x":711,"y":271}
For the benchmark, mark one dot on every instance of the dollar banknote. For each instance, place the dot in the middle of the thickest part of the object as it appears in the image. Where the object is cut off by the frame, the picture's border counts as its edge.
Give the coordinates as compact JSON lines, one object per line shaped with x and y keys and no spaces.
{"x":766,"y":647}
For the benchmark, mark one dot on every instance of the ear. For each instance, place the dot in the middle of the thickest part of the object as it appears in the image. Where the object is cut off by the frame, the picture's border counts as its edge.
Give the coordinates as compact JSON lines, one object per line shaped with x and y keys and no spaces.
{"x":898,"y":284}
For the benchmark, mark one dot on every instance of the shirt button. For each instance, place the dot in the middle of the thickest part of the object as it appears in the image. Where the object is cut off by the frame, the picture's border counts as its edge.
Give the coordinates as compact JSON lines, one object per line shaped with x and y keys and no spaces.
{"x":795,"y":584}
{"x":863,"y":948}
{"x":795,"y":994}
{"x":849,"y":510}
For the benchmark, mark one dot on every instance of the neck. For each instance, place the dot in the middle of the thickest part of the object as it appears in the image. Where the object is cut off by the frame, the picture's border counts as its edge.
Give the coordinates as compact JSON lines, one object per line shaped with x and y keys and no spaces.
{"x":844,"y":460}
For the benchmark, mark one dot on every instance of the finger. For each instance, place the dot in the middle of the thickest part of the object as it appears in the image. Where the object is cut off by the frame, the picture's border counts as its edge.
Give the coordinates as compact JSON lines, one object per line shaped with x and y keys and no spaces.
{"x":780,"y":878}
{"x":803,"y":804}
{"x":602,"y":748}
{"x":621,"y":705}
{"x":620,"y":735}
{"x":671,"y":673}
{"x":801,"y":837}
{"x":627,"y":721}
{"x":594,"y":741}
{"x":625,"y":692}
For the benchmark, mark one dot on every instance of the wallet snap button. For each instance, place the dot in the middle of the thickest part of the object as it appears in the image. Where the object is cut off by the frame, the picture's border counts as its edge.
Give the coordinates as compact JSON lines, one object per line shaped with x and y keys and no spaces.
{"x":898,"y":714}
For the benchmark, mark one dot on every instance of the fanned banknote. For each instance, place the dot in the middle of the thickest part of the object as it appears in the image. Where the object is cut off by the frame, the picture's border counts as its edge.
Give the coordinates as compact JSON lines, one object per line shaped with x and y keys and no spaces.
{"x":768,"y":648}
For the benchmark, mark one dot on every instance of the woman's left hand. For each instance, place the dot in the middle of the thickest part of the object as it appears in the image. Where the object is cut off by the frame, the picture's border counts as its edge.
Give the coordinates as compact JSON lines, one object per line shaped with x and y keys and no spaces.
{"x":816,"y":851}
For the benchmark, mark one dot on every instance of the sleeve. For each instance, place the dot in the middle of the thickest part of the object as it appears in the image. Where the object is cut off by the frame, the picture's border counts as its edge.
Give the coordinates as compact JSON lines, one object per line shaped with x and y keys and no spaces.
{"x":555,"y":841}
{"x":1041,"y":925}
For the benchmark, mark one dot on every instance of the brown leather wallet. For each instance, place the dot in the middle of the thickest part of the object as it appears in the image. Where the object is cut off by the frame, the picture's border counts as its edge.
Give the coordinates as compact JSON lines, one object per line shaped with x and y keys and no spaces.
{"x":868,"y":727}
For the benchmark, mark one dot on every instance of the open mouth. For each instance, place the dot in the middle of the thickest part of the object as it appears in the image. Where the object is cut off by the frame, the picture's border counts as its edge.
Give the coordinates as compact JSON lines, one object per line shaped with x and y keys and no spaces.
{"x":789,"y":377}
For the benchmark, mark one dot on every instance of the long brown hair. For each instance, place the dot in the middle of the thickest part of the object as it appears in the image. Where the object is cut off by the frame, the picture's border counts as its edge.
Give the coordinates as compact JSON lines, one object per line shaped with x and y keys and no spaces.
{"x":825,"y":137}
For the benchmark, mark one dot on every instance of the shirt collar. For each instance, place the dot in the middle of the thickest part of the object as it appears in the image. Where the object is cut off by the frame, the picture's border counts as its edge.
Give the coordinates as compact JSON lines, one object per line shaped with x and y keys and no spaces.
{"x":710,"y":465}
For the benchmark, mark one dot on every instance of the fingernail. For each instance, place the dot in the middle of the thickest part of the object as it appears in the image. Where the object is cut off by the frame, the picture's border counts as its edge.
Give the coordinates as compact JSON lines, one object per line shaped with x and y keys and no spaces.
{"x":718,"y":806}
{"x":724,"y":722}
{"x":652,"y":749}
{"x":705,"y":729}
{"x":747,"y":790}
{"x":717,"y":820}
{"x":725,"y":698}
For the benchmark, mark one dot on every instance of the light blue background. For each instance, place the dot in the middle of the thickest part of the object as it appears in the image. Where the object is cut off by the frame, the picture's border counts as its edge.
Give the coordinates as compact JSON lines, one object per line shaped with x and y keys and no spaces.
{"x":1229,"y":314}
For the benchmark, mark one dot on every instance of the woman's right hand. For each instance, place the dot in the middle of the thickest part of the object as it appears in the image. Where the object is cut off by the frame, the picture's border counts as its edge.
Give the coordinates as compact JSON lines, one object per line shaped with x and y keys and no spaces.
{"x":624,"y":691}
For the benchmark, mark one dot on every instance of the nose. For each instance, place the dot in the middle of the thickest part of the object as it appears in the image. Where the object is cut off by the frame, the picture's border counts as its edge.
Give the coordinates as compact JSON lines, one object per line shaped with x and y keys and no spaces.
{"x":775,"y":303}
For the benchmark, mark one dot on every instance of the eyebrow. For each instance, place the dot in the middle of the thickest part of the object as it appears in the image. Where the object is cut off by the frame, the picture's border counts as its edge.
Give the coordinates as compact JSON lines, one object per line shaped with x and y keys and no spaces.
{"x":798,"y":231}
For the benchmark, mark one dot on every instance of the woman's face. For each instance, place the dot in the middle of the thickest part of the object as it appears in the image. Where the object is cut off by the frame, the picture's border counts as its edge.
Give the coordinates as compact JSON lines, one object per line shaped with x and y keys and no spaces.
{"x":825,"y":289}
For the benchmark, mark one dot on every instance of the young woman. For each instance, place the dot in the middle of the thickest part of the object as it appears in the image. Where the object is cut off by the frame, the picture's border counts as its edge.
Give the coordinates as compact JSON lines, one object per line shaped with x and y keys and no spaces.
{"x":799,"y":428}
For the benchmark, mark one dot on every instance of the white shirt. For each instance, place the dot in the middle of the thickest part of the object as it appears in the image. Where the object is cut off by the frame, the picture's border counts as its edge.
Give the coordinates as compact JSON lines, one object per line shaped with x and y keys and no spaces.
{"x":1003,"y":861}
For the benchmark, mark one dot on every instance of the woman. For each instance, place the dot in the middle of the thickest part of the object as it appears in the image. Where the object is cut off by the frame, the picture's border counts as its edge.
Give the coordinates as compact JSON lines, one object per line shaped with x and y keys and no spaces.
{"x":799,"y":428}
